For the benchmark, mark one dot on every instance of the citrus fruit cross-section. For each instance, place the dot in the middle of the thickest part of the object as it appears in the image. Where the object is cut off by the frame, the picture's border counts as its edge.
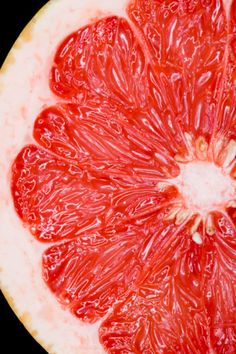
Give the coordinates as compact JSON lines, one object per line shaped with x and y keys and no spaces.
{"x":121,"y":181}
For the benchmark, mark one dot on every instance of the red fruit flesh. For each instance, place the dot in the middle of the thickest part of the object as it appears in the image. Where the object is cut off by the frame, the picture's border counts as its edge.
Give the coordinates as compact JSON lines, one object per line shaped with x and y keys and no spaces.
{"x":137,"y":101}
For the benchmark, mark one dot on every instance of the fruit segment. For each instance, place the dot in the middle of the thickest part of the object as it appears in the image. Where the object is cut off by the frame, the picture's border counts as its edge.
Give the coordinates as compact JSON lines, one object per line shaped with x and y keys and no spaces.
{"x":105,"y":61}
{"x":91,"y":273}
{"x":134,"y":173}
{"x":220,"y":284}
{"x":186,"y":302}
{"x":107,"y":141}
{"x":188,"y":45}
{"x":60,"y":200}
{"x":233,"y":16}
{"x":225,"y":128}
{"x":102,"y":59}
{"x":150,"y":329}
{"x":166,"y":313}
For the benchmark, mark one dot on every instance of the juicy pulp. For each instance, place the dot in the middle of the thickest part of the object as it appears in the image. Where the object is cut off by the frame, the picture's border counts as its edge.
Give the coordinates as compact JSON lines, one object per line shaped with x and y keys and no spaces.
{"x":96,"y":179}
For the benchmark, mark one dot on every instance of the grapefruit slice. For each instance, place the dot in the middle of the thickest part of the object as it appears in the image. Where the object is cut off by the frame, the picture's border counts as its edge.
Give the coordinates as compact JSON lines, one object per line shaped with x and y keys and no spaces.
{"x":118,"y":177}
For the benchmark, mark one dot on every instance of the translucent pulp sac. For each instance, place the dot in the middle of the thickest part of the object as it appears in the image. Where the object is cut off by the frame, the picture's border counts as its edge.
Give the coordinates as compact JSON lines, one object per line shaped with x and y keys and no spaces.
{"x":204,"y":186}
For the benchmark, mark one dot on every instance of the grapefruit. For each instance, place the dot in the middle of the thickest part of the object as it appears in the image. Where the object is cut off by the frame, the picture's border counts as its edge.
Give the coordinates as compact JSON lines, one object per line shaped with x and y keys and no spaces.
{"x":118,"y":177}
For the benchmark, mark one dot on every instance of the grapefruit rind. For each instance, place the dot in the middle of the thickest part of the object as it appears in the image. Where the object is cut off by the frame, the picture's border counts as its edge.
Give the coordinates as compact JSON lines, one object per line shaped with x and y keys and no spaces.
{"x":24,"y":81}
{"x":181,"y":215}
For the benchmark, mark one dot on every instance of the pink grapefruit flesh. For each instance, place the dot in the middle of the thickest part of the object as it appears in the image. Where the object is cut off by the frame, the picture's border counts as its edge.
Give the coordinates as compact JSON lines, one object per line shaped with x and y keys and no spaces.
{"x":127,"y":181}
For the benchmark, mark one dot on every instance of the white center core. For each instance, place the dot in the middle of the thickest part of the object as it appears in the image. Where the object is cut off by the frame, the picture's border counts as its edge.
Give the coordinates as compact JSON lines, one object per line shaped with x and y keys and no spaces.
{"x":204,"y":187}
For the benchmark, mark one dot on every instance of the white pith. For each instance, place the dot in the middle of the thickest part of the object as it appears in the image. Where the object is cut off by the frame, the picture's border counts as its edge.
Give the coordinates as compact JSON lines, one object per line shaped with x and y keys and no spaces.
{"x":24,"y":92}
{"x":204,"y":186}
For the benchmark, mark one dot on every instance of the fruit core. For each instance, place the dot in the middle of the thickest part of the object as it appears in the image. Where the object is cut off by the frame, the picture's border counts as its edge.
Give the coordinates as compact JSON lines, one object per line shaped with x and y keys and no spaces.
{"x":204,"y":186}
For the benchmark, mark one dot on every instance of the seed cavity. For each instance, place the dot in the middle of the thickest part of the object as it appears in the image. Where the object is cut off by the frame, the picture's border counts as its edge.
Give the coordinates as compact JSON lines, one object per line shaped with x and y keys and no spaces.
{"x":205,"y":184}
{"x":225,"y":152}
{"x":201,"y":148}
{"x":197,"y":238}
{"x":171,"y":215}
{"x":196,"y":224}
{"x":210,"y":229}
{"x":189,"y":143}
{"x":229,"y":153}
{"x":218,"y":146}
{"x":182,"y":158}
{"x":182,"y":216}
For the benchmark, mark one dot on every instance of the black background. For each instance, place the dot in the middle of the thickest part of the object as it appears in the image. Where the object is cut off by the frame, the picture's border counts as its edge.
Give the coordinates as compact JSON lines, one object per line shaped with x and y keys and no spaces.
{"x":14,"y":15}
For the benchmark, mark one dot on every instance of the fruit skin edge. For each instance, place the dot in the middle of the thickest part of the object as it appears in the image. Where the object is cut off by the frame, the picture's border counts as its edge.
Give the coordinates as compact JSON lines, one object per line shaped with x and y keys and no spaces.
{"x":85,"y":14}
{"x":24,"y":36}
{"x":24,"y":319}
